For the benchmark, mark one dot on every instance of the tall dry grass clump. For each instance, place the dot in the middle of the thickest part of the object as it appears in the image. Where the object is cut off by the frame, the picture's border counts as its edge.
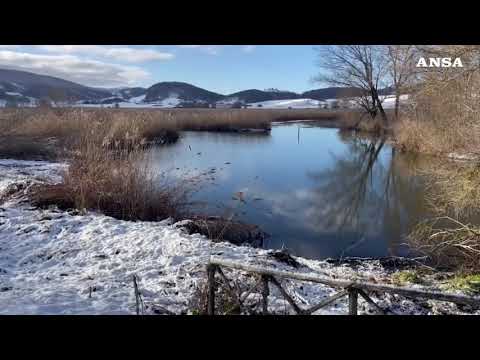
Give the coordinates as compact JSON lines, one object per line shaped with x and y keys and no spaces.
{"x":361,"y":121}
{"x":444,"y":119}
{"x":46,"y":122}
{"x":64,"y":127}
{"x":115,"y":178}
{"x":152,"y":125}
{"x":449,"y":243}
{"x":452,"y":237}
{"x":445,"y":116}
{"x":454,"y":188}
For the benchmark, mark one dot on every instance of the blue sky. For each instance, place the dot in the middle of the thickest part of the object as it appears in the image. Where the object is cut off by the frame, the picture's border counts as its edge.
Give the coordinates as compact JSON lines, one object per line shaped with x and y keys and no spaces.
{"x":220,"y":68}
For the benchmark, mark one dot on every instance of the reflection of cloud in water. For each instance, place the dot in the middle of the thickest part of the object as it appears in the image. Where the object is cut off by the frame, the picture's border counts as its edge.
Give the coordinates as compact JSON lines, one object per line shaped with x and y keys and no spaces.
{"x":317,"y":197}
{"x":306,"y":209}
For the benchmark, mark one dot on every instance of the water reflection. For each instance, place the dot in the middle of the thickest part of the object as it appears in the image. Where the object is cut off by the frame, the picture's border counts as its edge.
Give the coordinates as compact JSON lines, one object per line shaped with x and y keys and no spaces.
{"x":320,"y":192}
{"x":368,"y":197}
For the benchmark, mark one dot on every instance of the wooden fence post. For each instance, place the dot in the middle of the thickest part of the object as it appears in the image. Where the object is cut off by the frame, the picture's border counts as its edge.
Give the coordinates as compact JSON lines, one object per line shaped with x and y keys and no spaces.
{"x":352,"y":301}
{"x":211,"y":289}
{"x":137,"y":300}
{"x":265,"y":293}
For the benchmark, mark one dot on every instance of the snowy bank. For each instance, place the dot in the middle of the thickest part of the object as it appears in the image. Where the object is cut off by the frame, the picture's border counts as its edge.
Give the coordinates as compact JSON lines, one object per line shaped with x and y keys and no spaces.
{"x":54,"y":262}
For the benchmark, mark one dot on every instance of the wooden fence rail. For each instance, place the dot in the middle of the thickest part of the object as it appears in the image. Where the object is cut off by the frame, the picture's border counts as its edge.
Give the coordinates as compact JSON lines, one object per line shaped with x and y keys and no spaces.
{"x":352,"y":289}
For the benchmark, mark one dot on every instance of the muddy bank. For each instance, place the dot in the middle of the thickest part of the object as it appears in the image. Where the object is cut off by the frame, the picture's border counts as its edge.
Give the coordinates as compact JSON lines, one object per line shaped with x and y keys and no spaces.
{"x":27,"y":148}
{"x":221,"y":229}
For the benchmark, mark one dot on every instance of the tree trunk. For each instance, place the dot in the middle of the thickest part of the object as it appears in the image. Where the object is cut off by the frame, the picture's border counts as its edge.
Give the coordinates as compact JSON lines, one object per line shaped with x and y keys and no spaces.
{"x":376,"y":99}
{"x":397,"y":103}
{"x":383,"y":114}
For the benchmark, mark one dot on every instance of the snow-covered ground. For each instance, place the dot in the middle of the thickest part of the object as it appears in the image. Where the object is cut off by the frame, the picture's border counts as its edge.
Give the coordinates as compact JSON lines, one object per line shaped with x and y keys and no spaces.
{"x":54,"y":262}
{"x":21,"y":171}
{"x":285,"y":104}
{"x":173,"y":101}
{"x":138,"y":99}
{"x":138,"y":102}
{"x":388,"y":102}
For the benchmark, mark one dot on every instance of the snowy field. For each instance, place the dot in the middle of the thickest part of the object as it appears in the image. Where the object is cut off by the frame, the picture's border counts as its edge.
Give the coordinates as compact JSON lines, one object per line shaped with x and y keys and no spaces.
{"x":54,"y":262}
{"x":172,"y":102}
{"x":285,"y":104}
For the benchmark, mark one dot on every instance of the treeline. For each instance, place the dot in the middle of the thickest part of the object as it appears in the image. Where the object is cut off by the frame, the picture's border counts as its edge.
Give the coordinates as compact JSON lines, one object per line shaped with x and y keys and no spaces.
{"x":442,"y":112}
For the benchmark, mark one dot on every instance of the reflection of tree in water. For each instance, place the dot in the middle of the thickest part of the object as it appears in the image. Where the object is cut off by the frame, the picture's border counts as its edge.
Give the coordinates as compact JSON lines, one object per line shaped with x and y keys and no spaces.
{"x":367,"y":196}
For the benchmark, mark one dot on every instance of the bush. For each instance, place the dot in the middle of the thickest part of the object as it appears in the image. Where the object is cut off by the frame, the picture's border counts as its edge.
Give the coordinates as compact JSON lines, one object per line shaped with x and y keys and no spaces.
{"x":116,"y":180}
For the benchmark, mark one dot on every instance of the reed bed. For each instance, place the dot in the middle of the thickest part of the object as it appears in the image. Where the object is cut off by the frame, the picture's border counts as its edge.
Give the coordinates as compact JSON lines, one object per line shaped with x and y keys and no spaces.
{"x":116,"y":180}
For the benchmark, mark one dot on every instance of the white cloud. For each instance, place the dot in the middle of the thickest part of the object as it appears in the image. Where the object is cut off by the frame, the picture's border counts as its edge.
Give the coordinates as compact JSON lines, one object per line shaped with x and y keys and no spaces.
{"x":216,"y":49}
{"x":248,"y":48}
{"x":209,"y":49}
{"x":127,"y":54}
{"x":70,"y":67}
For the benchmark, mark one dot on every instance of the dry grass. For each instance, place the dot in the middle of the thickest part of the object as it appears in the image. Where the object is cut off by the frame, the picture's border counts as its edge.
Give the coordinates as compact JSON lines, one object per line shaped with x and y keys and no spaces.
{"x":360,"y":121}
{"x":117,"y":180}
{"x":454,"y":188}
{"x":426,"y":137}
{"x":445,"y":113}
{"x":453,"y":193}
{"x":57,"y":122}
{"x":449,"y":243}
{"x":124,"y":126}
{"x":444,"y":119}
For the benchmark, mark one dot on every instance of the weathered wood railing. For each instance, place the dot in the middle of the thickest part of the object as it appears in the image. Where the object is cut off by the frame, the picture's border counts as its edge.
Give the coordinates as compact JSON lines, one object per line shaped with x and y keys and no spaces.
{"x":352,"y":289}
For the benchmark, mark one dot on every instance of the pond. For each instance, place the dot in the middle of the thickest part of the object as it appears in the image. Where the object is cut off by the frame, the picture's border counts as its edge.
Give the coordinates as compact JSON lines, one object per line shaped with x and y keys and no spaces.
{"x":319,"y":192}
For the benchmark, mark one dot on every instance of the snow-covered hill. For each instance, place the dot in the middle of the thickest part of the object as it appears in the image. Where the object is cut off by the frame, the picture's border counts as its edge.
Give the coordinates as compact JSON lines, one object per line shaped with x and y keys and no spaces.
{"x":21,"y":88}
{"x":287,"y":104}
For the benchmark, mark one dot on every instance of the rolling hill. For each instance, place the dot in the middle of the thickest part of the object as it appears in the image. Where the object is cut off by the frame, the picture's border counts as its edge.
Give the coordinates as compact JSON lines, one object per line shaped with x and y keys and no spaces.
{"x":182,"y":91}
{"x":26,"y":85}
{"x":254,"y":95}
{"x":22,"y":87}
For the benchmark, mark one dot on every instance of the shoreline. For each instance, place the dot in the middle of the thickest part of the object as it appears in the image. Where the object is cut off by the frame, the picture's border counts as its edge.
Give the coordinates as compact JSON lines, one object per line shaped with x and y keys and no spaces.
{"x":52,"y":259}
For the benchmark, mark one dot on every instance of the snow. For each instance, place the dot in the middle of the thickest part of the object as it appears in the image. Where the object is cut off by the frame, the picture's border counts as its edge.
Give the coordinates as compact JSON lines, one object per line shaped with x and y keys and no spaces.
{"x":21,"y":171}
{"x":463,"y":157}
{"x":171,"y":101}
{"x":388,"y":102}
{"x":13,"y":93}
{"x":54,"y":262}
{"x":285,"y":104}
{"x":138,"y":102}
{"x":18,"y":86}
{"x":138,"y":99}
{"x":228,"y":101}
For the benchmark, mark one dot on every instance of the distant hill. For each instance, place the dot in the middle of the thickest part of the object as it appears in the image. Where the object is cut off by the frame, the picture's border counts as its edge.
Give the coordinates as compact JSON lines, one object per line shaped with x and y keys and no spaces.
{"x":26,"y":87}
{"x":182,"y":91}
{"x":22,"y":84}
{"x":254,"y":95}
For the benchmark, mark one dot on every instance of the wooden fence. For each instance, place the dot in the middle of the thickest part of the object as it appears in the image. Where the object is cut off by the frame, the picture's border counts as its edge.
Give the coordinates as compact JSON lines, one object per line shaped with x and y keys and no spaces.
{"x":350,"y":289}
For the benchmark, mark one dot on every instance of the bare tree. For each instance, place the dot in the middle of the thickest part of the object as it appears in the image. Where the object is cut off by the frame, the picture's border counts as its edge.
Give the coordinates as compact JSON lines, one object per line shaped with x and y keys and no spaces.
{"x":357,"y":66}
{"x":401,"y":65}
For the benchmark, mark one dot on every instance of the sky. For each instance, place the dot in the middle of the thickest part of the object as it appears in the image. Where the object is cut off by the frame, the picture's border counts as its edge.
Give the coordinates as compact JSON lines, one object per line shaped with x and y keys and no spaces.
{"x":221,"y":68}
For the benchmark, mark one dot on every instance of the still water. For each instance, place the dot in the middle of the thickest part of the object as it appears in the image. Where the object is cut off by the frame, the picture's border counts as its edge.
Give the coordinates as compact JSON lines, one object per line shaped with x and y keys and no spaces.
{"x":319,"y":192}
